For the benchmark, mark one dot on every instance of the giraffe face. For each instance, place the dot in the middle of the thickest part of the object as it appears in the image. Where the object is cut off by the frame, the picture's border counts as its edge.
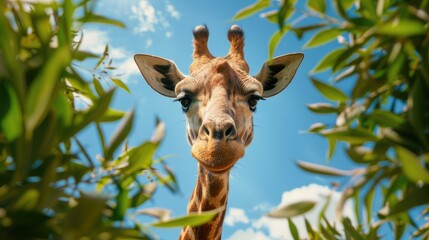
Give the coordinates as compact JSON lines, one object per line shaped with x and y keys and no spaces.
{"x":219,"y":100}
{"x":219,"y":96}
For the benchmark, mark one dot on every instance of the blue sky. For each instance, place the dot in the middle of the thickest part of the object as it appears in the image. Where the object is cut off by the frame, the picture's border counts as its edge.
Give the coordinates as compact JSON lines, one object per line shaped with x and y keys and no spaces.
{"x":267,"y":176}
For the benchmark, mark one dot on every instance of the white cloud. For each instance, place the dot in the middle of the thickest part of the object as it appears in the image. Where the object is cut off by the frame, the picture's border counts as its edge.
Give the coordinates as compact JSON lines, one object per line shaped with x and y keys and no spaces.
{"x":148,"y":43}
{"x":95,"y":41}
{"x":145,"y":14}
{"x":248,"y":233}
{"x":173,"y":12}
{"x":279,"y":229}
{"x":149,"y":19}
{"x":169,"y":34}
{"x":236,"y":215}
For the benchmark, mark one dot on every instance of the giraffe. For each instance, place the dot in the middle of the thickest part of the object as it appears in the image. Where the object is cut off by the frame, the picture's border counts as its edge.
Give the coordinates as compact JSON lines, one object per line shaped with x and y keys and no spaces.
{"x":218,"y":98}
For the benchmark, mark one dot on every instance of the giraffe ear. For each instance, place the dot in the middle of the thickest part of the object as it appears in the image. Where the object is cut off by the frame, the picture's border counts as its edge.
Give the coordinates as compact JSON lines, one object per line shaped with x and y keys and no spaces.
{"x":276,"y":74}
{"x":161,"y":74}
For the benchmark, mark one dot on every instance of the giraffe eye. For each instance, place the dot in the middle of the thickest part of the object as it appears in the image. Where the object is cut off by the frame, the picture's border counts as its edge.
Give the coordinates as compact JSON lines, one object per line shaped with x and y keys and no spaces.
{"x":253,"y":101}
{"x":186,"y":102}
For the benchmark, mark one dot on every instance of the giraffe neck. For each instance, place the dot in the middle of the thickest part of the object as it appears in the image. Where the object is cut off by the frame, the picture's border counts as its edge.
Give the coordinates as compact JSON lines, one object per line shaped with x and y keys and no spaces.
{"x":211,"y":192}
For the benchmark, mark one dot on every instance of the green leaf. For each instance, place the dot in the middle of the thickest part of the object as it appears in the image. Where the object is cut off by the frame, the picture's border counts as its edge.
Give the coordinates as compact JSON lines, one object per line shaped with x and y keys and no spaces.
{"x":411,"y":165}
{"x":82,"y":55}
{"x":27,"y":200}
{"x":412,"y":199}
{"x":98,"y":88}
{"x":112,"y":115}
{"x":252,"y":9}
{"x":332,"y":144}
{"x":322,"y":108}
{"x":386,"y":118}
{"x":328,"y":60}
{"x":121,"y":84}
{"x":329,"y":92}
{"x":352,"y":136}
{"x":285,"y":11}
{"x":274,"y":41}
{"x":317,"y":5}
{"x":322,"y":37}
{"x":351,"y":231}
{"x":95,"y":113}
{"x":192,"y":219}
{"x":82,"y":219}
{"x":293,"y":229}
{"x":299,"y":31}
{"x":10,"y":113}
{"x":120,"y":134}
{"x":402,"y":28}
{"x":361,"y":154}
{"x":316,"y":127}
{"x":122,"y":203}
{"x":95,"y":18}
{"x":319,"y":169}
{"x":292,"y":210}
{"x":310,"y":230}
{"x":43,"y":88}
{"x":140,"y":158}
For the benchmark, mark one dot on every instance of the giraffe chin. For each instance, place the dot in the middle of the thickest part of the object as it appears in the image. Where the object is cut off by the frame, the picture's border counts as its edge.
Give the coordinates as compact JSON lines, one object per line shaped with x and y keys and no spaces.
{"x":217,"y":156}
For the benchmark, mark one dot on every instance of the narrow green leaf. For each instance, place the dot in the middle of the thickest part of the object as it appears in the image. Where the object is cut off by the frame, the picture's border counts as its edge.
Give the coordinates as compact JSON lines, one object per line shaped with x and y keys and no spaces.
{"x":319,"y":169}
{"x":411,"y":165}
{"x":41,"y":92}
{"x":121,"y":84}
{"x":95,"y":18}
{"x":310,"y":230}
{"x":292,"y":210}
{"x":322,"y":108}
{"x":322,"y":37}
{"x":274,"y":41}
{"x":328,"y":60}
{"x":82,"y":55}
{"x":120,"y":134}
{"x":386,"y":118}
{"x":329,"y":92}
{"x":122,"y":203}
{"x":98,"y":88}
{"x":348,"y":227}
{"x":317,"y":5}
{"x":332,"y":144}
{"x":10,"y":113}
{"x":95,"y":113}
{"x":192,"y":219}
{"x":352,"y":136}
{"x":112,"y":115}
{"x":140,"y":158}
{"x":316,"y":127}
{"x":286,"y":9}
{"x":252,"y":9}
{"x":27,"y":200}
{"x":293,"y":229}
{"x":402,"y":28}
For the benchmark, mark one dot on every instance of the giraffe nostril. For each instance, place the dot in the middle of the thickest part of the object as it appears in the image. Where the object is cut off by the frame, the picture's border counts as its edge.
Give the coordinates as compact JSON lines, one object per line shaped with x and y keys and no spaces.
{"x":230,"y":132}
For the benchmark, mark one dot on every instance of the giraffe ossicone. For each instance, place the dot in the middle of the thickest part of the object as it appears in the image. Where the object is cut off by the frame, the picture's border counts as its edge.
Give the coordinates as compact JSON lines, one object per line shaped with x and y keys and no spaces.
{"x":218,"y":98}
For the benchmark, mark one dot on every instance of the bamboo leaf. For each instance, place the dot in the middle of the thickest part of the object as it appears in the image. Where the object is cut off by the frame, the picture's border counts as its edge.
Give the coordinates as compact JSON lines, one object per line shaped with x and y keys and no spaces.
{"x":292,"y":210}
{"x":293,"y":229}
{"x":275,"y":40}
{"x":10,"y":113}
{"x":252,"y":9}
{"x":402,"y":28}
{"x":95,"y":18}
{"x":411,"y":165}
{"x":328,"y":60}
{"x":120,"y":134}
{"x":192,"y":219}
{"x":121,"y":84}
{"x":352,"y":136}
{"x":328,"y":91}
{"x":317,"y":5}
{"x":319,"y":169}
{"x":322,"y":37}
{"x":322,"y":108}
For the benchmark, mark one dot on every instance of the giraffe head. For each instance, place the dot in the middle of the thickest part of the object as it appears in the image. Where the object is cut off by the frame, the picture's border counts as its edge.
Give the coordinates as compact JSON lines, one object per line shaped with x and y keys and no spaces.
{"x":219,"y":96}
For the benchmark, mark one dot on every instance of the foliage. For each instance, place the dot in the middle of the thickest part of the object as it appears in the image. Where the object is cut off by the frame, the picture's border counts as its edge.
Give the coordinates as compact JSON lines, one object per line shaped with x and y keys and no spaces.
{"x":381,"y":112}
{"x":50,"y":186}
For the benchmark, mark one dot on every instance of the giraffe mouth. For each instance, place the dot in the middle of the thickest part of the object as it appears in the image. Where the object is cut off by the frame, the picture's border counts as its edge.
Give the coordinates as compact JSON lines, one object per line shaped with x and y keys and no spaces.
{"x":218,"y":156}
